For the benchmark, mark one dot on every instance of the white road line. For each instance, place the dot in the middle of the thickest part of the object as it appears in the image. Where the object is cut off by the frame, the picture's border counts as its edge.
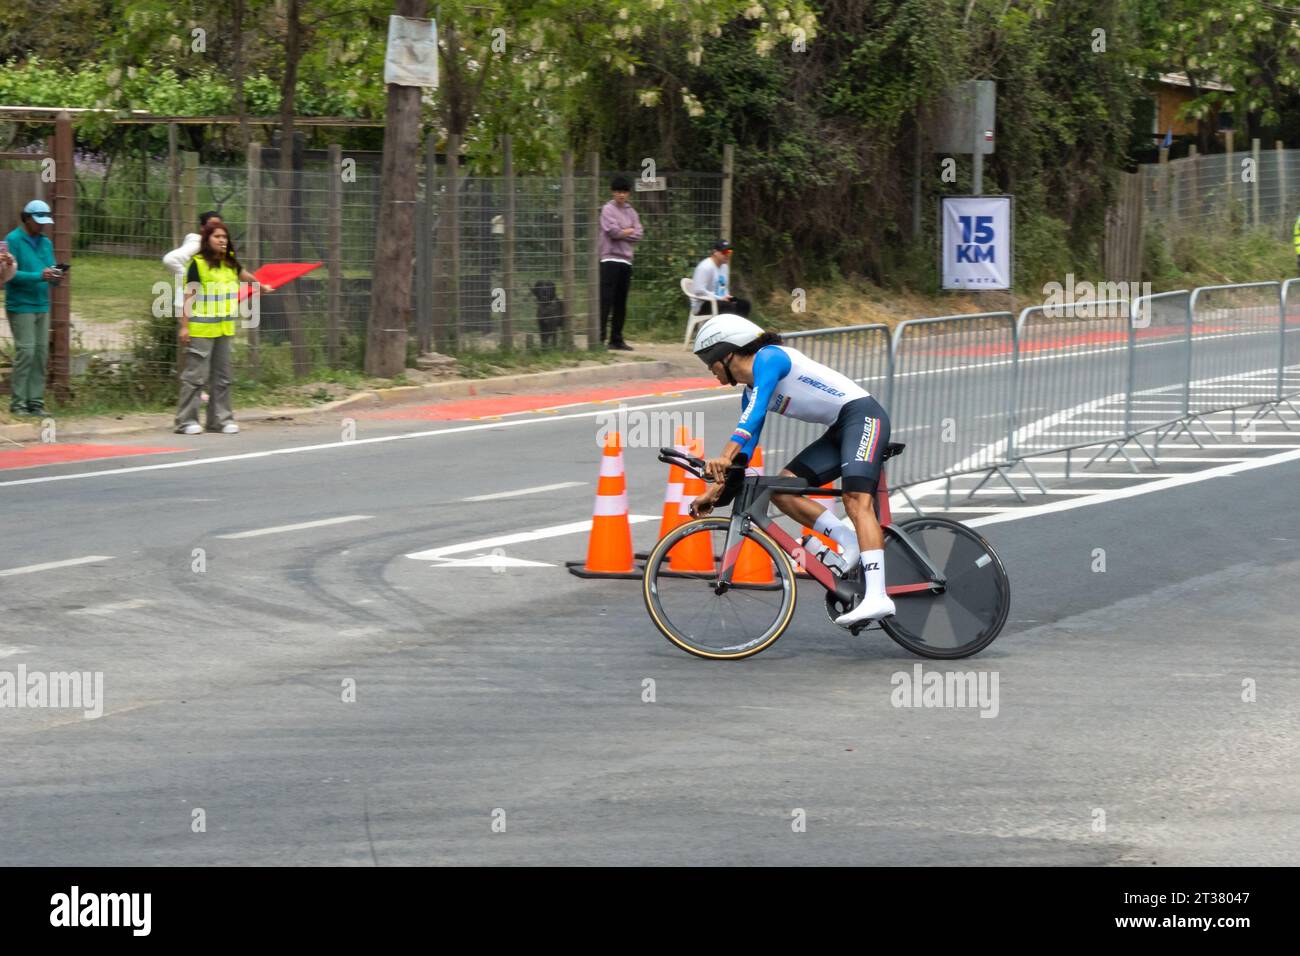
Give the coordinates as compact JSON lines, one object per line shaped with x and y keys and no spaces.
{"x":357,"y":442}
{"x":1080,"y":470}
{"x":954,"y":510}
{"x":554,"y":531}
{"x":1029,"y":491}
{"x":1080,"y":473}
{"x":51,"y":565}
{"x":1117,"y":494}
{"x":526,"y":491}
{"x":11,"y":651}
{"x":99,"y":610}
{"x":324,"y":522}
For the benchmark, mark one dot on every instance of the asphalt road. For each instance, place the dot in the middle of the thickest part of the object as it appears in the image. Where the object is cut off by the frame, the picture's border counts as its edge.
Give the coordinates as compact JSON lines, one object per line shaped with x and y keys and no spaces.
{"x":515,"y":693}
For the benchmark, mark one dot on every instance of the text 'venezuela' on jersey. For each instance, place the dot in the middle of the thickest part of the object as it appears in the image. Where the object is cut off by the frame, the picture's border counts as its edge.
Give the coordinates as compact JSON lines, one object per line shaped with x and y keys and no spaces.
{"x":790,"y":383}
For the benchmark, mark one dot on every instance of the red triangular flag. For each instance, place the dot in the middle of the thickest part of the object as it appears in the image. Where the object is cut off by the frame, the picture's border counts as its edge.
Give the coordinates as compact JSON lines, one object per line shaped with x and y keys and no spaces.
{"x":278,"y":273}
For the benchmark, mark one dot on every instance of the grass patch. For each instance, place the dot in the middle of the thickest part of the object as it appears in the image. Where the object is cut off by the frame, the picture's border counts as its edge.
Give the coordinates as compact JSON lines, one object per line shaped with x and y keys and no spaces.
{"x":114,"y":288}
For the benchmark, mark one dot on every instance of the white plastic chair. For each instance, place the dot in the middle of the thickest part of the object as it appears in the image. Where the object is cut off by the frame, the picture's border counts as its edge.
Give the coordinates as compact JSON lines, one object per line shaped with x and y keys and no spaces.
{"x":696,"y":319}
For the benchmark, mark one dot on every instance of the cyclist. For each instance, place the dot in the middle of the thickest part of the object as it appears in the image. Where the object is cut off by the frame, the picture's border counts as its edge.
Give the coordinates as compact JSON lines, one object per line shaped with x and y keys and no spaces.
{"x":781,"y":379}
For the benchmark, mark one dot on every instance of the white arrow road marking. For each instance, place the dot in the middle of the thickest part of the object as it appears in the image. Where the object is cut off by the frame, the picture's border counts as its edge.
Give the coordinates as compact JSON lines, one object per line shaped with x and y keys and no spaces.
{"x":324,"y":522}
{"x":490,"y":561}
{"x":554,"y":531}
{"x":102,"y":609}
{"x":51,"y":565}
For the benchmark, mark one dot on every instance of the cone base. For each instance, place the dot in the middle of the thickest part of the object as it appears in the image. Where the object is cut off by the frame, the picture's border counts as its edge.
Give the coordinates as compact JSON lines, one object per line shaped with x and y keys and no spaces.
{"x":579,"y":569}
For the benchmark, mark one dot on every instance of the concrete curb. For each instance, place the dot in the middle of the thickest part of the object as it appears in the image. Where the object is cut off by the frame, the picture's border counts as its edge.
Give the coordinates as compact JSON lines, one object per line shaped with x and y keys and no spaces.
{"x":379,"y":398}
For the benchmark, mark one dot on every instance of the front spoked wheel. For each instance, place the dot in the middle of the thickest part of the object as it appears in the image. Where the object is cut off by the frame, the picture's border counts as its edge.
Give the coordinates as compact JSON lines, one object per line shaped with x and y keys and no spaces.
{"x":968,"y":612}
{"x":681,"y":591}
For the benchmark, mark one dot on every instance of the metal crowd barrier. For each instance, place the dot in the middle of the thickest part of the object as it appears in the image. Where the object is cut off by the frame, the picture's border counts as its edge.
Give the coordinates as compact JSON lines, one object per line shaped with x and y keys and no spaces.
{"x":1073,"y":371}
{"x":860,"y":351}
{"x":987,"y":392}
{"x":952,"y":394}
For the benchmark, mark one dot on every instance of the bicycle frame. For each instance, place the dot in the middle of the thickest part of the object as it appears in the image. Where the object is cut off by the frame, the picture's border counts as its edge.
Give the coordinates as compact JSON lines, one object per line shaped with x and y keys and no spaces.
{"x":751,"y":509}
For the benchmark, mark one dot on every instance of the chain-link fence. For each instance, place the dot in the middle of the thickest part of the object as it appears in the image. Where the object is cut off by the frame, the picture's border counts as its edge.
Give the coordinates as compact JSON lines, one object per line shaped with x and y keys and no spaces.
{"x":537,"y":287}
{"x":478,"y":285}
{"x":1257,"y":189}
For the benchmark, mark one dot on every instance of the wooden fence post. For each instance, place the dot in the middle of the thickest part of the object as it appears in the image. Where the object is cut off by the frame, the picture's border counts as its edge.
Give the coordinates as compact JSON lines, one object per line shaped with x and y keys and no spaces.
{"x":593,"y":257}
{"x":63,"y":210}
{"x":254,"y":231}
{"x":1254,"y":185}
{"x":567,"y":245}
{"x":174,"y":184}
{"x":424,"y":221}
{"x":334,"y":256}
{"x":452,"y":330}
{"x":1285,"y":214}
{"x":189,"y":190}
{"x":508,"y":245}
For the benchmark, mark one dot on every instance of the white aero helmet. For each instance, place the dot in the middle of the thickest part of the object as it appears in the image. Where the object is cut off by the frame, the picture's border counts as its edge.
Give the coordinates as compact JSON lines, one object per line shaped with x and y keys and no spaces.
{"x":723,"y":334}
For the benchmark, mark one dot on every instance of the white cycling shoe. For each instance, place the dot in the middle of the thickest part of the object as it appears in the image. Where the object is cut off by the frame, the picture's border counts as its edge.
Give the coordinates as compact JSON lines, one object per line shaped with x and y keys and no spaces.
{"x":868,"y":609}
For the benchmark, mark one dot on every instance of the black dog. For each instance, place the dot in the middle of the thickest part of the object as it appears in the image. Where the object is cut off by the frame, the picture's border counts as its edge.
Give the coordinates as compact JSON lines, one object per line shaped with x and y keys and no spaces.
{"x":550,"y":312}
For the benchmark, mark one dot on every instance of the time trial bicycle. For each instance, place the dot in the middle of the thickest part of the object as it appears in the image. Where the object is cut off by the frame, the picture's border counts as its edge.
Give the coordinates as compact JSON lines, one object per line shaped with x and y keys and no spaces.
{"x":949,"y":588}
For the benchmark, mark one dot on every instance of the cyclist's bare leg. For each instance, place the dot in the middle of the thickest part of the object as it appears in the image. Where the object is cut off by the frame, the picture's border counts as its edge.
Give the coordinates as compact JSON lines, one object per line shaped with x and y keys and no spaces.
{"x":804,"y":510}
{"x":860,"y":507}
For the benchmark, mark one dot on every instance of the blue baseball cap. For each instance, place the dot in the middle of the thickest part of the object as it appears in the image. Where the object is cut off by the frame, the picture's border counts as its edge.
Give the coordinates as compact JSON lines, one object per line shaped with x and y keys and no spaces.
{"x":40,"y":211}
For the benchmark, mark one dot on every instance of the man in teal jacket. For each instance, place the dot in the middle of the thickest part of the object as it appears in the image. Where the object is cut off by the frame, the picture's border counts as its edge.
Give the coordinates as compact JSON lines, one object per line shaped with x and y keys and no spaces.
{"x":27,"y":304}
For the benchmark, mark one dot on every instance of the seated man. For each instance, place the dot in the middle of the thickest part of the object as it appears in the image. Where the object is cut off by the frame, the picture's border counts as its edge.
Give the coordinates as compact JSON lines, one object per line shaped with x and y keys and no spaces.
{"x":711,"y":280}
{"x":786,"y":381}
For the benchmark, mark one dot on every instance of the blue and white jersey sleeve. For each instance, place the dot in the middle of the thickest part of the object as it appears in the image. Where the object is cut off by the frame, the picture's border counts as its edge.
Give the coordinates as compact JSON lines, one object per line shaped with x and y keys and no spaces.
{"x":770,"y":366}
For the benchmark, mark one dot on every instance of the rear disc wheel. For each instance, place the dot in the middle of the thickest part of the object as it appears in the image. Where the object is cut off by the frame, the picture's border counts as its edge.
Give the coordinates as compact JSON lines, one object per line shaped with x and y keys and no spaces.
{"x":968,"y":613}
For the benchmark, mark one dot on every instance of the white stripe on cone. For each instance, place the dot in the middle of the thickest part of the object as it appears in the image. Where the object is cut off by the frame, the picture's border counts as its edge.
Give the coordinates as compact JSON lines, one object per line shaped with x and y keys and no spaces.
{"x":610,"y":505}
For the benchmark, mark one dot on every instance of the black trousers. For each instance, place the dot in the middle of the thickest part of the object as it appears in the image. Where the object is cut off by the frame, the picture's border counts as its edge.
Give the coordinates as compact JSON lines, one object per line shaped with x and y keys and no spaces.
{"x":734,"y":307}
{"x":615,"y":280}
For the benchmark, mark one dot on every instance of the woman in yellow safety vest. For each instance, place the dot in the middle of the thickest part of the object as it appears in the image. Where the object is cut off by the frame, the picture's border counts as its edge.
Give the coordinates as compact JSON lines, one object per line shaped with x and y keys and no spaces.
{"x":207,"y":330}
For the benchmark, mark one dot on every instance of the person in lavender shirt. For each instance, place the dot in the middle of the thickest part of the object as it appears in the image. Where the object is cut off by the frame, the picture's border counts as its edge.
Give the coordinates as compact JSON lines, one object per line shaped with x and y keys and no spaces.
{"x":620,"y":230}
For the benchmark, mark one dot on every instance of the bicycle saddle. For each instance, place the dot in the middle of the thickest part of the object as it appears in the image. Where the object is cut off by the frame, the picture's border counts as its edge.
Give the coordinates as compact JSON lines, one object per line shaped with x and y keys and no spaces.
{"x":893,"y":448}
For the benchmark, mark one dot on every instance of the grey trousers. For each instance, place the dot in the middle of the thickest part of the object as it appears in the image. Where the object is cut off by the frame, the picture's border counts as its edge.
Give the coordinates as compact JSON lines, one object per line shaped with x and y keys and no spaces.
{"x":207,"y":361}
{"x":31,"y":352}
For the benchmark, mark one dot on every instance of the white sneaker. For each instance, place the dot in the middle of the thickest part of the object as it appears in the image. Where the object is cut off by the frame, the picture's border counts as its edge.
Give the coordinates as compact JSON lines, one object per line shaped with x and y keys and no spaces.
{"x":230,"y":428}
{"x":869,"y":609}
{"x":193,"y":428}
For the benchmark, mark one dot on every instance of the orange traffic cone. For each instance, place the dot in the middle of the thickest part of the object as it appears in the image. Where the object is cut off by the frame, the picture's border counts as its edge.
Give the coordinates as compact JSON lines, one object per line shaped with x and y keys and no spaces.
{"x":694,"y":553}
{"x":676,"y":477}
{"x":753,"y":566}
{"x":609,"y":548}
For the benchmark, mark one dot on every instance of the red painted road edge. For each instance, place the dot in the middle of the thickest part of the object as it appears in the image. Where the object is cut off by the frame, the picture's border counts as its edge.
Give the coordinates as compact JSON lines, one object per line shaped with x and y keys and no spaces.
{"x":493,"y":406}
{"x":30,"y":456}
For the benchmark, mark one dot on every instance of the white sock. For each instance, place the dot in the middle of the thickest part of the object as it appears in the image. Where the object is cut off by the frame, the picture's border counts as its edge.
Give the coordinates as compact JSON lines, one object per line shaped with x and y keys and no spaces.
{"x":829,"y":524}
{"x":873,"y":566}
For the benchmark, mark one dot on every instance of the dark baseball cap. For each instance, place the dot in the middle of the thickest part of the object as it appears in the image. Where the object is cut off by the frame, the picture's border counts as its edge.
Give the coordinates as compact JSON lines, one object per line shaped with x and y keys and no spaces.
{"x":722,"y":245}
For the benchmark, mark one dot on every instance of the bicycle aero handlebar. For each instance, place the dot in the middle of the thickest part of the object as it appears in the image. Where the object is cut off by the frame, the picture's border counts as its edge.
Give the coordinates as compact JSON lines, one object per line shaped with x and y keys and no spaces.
{"x":731,"y":485}
{"x":671,"y":456}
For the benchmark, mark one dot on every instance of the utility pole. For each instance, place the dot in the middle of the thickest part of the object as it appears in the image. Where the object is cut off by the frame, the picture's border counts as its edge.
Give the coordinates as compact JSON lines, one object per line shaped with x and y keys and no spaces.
{"x":390,"y":291}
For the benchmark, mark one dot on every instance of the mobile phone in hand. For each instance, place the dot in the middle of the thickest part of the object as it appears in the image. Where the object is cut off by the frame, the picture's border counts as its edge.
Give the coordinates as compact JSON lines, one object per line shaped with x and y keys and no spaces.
{"x":63,"y":266}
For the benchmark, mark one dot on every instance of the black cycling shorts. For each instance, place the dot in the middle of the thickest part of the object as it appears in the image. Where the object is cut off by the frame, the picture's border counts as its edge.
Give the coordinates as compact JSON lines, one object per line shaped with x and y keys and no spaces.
{"x":852,"y":449}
